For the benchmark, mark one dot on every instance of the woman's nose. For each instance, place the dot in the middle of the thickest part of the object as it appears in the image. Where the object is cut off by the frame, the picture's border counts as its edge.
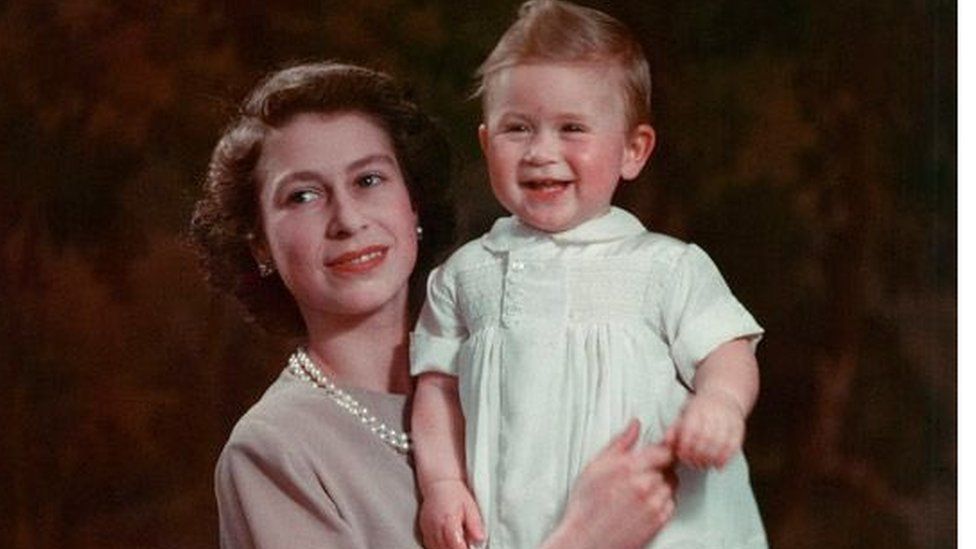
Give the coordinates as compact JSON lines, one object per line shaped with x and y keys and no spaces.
{"x":347,"y":218}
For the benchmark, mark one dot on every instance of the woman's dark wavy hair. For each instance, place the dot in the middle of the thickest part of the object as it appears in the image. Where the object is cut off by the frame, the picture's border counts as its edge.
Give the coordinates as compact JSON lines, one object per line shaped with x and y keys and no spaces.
{"x":226,"y":217}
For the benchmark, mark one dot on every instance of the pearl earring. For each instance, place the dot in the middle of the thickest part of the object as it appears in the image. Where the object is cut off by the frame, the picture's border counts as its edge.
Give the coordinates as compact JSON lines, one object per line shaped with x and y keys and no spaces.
{"x":266,"y":269}
{"x":420,"y":232}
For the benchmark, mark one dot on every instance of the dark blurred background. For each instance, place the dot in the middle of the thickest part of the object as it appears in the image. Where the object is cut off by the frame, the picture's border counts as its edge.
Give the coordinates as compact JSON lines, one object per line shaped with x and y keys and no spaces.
{"x":809,"y":146}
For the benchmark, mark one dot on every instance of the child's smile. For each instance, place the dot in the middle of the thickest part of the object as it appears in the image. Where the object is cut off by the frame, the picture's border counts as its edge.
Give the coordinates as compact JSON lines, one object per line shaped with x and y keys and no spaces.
{"x":545,"y":189}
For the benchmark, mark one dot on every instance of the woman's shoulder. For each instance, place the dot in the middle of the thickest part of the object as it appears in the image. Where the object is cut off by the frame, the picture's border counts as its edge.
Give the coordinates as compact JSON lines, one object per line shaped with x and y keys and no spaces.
{"x":297,"y":418}
{"x":264,"y":459}
{"x":269,"y":423}
{"x":286,"y":434}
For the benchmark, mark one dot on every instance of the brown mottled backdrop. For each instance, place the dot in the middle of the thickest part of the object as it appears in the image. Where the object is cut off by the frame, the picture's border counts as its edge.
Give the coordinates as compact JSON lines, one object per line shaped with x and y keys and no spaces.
{"x":809,"y":145}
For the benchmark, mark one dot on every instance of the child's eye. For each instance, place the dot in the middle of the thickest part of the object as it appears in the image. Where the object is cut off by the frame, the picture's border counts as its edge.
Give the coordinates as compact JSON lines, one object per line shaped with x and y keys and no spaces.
{"x":515,"y":127}
{"x":573,"y":127}
{"x":369,"y":180}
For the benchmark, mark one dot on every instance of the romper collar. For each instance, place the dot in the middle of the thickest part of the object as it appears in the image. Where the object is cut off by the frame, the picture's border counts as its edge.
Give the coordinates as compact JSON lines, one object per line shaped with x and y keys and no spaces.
{"x":510,"y":233}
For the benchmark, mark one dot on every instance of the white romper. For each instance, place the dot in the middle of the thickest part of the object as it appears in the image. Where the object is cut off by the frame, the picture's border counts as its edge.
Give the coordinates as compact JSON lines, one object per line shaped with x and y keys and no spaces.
{"x":558,"y":339}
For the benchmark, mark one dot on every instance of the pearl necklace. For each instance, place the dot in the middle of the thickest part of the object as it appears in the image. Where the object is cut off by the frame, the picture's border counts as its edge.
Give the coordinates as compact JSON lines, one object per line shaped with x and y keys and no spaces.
{"x":302,"y":366}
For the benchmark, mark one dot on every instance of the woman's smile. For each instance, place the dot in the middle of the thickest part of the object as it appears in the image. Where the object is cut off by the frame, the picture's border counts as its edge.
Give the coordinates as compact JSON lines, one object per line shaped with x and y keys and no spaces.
{"x":358,"y":261}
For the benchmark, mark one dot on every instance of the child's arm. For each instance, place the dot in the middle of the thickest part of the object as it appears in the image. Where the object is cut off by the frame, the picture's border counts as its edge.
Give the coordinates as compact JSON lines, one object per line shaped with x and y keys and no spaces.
{"x":448,"y":515}
{"x":711,"y":427}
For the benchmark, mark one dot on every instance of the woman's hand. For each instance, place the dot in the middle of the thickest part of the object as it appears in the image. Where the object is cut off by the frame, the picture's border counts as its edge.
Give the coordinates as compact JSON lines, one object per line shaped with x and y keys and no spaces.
{"x":621,"y":499}
{"x":449,"y":516}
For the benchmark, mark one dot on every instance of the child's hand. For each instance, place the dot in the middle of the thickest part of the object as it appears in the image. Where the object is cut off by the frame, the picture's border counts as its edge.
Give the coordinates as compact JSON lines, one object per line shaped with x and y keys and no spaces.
{"x":709,"y":431}
{"x":449,"y":516}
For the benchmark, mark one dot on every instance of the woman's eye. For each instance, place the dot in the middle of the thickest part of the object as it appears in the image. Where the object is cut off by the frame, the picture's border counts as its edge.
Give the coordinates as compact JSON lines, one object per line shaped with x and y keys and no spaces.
{"x":302,"y":197}
{"x":369,"y":180}
{"x":515,"y":127}
{"x":573,"y":128}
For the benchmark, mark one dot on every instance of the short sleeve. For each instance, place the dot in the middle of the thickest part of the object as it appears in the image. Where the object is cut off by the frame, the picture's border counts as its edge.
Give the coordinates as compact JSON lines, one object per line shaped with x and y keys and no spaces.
{"x":700,"y":313}
{"x":440,"y":329}
{"x":269,"y":497}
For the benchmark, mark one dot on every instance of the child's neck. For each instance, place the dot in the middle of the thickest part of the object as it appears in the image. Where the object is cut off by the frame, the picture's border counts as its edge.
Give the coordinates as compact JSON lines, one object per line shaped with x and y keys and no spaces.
{"x":566,"y":229}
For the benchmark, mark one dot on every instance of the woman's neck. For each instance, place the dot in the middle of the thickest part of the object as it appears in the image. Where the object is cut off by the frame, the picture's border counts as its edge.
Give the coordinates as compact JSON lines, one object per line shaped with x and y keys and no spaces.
{"x":369,"y":352}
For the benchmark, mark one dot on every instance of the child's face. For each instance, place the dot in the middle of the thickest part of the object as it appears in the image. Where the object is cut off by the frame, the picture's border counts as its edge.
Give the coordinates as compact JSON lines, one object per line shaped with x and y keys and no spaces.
{"x":556,"y":141}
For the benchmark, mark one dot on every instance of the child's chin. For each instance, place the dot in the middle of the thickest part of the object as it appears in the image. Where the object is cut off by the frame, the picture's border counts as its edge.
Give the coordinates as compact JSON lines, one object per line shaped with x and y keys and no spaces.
{"x":552,"y":224}
{"x":551,"y":227}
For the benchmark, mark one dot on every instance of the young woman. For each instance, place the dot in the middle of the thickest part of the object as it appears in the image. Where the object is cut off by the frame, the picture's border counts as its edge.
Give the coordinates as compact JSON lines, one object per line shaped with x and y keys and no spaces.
{"x":315,"y":203}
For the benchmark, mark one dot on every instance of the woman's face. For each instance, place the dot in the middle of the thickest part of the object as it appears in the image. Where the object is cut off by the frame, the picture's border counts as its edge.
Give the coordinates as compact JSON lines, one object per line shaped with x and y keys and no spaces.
{"x":337,"y":219}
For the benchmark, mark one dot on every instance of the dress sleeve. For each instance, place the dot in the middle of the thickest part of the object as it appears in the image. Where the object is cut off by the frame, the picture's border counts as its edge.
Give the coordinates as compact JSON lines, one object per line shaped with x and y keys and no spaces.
{"x":700,"y":312}
{"x":268,"y":496}
{"x":440,"y":329}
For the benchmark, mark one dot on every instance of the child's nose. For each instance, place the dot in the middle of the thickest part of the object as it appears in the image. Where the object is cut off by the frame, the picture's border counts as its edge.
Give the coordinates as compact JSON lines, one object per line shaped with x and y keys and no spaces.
{"x":542,"y":148}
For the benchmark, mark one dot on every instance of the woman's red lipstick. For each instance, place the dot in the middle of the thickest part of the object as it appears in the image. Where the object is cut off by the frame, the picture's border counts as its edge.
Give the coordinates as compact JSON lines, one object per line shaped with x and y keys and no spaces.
{"x":358,"y":261}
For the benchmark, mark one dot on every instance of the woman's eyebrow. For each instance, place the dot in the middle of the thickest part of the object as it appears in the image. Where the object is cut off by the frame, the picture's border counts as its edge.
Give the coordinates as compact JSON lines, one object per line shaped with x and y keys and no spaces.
{"x":312,"y":175}
{"x":301,"y":175}
{"x":379,"y":158}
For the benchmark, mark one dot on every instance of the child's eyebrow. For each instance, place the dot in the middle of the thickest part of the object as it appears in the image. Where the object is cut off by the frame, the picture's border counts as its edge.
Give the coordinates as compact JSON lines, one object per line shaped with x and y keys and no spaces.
{"x":564,"y":115}
{"x":570,"y":114}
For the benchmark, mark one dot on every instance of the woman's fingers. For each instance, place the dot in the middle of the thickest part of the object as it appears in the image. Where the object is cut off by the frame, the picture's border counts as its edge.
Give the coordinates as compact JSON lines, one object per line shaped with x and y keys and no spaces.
{"x":623,"y":494}
{"x":626,"y":439}
{"x":665,"y":510}
{"x":655,"y":456}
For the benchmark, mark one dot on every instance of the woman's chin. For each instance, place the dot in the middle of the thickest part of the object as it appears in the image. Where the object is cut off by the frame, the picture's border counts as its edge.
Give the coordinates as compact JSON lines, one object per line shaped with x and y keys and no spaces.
{"x":356,"y":305}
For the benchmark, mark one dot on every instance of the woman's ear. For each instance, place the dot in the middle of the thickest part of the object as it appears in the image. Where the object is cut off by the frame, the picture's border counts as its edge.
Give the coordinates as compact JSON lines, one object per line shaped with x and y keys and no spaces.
{"x":638,"y":149}
{"x":259,"y":248}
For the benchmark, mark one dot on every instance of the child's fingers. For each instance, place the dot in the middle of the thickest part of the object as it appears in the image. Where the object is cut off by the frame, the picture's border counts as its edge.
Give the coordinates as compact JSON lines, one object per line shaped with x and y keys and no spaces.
{"x":733,"y":444}
{"x":721,"y":442}
{"x":705,"y":436}
{"x":723,"y":456}
{"x":688,"y":438}
{"x":451,"y":535}
{"x":432,"y":529}
{"x":724,"y":443}
{"x":472,"y":523}
{"x":712,"y":449}
{"x":696,"y":445}
{"x":676,"y":434}
{"x":670,"y":436}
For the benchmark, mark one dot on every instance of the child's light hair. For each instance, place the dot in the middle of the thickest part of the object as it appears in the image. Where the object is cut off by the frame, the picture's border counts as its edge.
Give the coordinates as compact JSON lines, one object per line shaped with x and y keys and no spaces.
{"x":556,"y":31}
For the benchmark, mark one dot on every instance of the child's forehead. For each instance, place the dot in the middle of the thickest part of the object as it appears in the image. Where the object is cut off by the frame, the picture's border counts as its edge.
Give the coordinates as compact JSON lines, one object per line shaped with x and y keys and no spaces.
{"x":583,"y":77}
{"x":584,"y":69}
